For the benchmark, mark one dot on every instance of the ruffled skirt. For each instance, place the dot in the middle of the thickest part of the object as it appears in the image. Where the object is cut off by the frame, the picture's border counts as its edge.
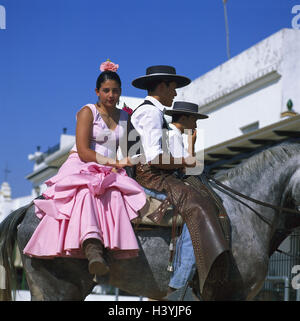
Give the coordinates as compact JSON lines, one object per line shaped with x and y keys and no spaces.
{"x":86,"y":200}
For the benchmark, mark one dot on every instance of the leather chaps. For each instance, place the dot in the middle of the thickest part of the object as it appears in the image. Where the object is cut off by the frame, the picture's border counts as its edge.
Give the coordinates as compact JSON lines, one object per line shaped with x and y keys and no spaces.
{"x":199,"y":212}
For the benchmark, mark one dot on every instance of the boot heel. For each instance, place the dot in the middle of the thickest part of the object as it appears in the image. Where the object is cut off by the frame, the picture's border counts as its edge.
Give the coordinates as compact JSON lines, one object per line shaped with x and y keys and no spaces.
{"x":97,"y":267}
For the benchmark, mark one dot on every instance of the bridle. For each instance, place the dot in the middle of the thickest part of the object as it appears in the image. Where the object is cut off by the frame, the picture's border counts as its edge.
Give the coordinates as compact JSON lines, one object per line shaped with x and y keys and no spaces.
{"x":220,"y":186}
{"x":229,"y":191}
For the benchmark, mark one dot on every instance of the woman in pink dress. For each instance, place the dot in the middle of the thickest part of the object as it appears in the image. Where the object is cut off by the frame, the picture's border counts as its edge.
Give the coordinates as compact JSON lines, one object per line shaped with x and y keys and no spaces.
{"x":91,"y":201}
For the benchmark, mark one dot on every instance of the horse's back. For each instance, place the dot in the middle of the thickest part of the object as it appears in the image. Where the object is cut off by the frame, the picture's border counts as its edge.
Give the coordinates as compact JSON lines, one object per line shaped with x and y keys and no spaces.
{"x":27,"y":227}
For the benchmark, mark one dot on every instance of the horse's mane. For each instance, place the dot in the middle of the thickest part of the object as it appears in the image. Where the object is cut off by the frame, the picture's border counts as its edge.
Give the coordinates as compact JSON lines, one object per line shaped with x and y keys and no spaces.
{"x":267,"y":159}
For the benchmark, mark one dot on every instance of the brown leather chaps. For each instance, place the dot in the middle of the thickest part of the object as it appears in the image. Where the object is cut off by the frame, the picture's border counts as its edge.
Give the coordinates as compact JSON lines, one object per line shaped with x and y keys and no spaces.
{"x":199,"y":212}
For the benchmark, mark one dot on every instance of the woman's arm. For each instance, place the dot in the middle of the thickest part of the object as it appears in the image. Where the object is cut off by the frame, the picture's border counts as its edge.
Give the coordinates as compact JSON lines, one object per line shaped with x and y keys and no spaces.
{"x":83,"y":133}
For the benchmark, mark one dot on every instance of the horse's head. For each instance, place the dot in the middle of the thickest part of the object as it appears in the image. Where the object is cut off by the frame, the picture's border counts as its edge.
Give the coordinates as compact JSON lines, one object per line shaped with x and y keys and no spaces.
{"x":292,"y":193}
{"x":287,"y":221}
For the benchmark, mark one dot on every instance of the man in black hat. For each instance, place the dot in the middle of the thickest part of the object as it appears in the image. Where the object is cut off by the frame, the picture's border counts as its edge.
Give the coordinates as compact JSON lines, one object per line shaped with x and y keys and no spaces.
{"x":198,"y":210}
{"x":148,"y":118}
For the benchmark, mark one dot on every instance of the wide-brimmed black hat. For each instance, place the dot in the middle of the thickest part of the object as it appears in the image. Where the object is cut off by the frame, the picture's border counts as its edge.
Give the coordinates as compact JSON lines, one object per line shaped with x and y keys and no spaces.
{"x":167,"y":73}
{"x":185,"y":108}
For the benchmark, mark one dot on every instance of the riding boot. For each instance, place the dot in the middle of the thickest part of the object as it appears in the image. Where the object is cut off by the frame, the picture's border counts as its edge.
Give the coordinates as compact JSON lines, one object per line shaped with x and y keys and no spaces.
{"x":93,"y":249}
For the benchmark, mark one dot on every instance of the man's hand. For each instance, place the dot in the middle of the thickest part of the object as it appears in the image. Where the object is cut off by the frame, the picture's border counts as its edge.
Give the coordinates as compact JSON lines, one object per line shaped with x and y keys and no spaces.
{"x":194,"y":136}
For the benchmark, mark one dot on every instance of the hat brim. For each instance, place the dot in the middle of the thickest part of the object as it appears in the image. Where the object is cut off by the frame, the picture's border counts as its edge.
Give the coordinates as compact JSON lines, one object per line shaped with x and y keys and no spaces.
{"x":172,"y":112}
{"x":142,"y":82}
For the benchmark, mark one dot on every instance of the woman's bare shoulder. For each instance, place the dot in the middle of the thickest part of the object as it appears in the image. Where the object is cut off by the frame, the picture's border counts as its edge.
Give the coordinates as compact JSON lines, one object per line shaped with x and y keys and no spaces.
{"x":85,"y":112}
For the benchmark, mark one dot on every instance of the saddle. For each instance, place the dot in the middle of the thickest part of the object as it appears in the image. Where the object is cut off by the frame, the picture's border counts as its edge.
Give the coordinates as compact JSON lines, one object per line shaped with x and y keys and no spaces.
{"x":156,"y":212}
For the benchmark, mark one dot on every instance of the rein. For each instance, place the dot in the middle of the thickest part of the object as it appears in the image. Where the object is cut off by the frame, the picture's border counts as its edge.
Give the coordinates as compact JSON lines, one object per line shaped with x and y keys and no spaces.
{"x":274,"y":207}
{"x":278,"y":208}
{"x":288,"y":254}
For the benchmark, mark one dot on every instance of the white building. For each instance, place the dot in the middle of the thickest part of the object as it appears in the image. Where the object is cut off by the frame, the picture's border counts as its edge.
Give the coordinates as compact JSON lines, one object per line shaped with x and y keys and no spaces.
{"x":249,"y":91}
{"x":7,"y":204}
{"x":5,"y":200}
{"x":246,"y":97}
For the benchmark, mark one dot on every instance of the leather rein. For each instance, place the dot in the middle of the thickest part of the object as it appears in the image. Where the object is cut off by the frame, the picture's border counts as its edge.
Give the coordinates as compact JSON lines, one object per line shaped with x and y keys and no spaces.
{"x":227,"y":188}
{"x":221,"y":187}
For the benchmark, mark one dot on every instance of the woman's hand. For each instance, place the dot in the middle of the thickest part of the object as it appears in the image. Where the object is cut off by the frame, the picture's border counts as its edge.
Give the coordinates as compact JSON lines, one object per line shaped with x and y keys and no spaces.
{"x":106,"y":161}
{"x":124,"y":163}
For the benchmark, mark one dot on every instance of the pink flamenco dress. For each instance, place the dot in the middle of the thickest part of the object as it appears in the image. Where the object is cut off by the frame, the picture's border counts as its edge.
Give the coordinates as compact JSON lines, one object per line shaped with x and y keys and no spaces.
{"x":88,"y":200}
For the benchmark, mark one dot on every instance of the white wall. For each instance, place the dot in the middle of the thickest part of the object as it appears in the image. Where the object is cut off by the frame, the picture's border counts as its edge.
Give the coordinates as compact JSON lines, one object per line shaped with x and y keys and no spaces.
{"x":252,"y":86}
{"x":8,"y":205}
{"x":131,"y":102}
{"x":290,"y":67}
{"x":263,"y":105}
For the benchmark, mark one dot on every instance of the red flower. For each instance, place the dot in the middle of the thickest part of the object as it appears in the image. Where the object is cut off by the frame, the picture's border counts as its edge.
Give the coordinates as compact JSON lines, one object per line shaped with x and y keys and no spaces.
{"x":127,"y":109}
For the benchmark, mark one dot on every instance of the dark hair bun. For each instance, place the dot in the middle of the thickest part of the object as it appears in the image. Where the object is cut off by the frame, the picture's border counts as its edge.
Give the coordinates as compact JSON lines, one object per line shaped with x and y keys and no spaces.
{"x":107,"y":75}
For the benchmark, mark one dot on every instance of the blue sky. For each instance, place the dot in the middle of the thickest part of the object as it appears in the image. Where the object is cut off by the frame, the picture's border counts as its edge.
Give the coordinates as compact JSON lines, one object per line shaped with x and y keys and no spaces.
{"x":50,"y":54}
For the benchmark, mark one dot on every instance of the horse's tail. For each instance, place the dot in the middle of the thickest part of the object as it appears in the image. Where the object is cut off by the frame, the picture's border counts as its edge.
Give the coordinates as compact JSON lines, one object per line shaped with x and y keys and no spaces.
{"x":8,"y":237}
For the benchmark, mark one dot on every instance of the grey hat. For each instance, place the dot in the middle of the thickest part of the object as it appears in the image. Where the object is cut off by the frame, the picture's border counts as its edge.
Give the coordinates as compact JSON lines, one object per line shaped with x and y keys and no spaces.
{"x":185,"y":108}
{"x":161,"y":72}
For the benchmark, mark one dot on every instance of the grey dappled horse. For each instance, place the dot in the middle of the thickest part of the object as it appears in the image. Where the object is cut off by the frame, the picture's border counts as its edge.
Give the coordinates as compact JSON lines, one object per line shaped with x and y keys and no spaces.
{"x":273,"y":176}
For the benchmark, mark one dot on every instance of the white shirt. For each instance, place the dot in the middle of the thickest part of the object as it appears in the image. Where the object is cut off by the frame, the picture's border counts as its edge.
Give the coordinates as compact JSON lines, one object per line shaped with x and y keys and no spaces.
{"x":148,"y":122}
{"x":176,"y":143}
